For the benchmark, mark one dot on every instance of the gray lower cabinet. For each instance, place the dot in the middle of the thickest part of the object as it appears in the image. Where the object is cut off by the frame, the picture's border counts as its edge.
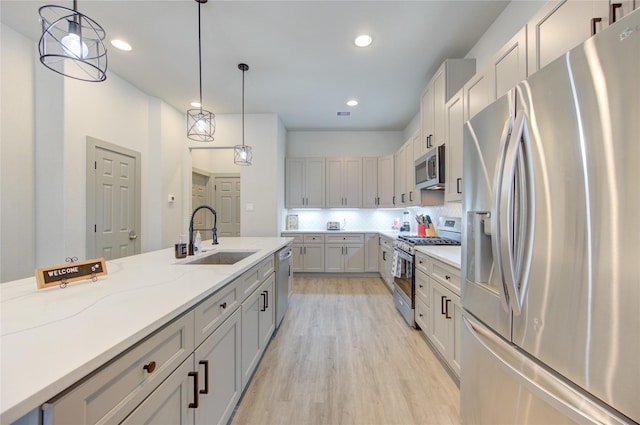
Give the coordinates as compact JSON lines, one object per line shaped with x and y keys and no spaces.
{"x":217,"y":362}
{"x":169,"y":403}
{"x":191,"y":371}
{"x":371,"y":249}
{"x":344,"y":253}
{"x":385,"y":260}
{"x":258,"y":325}
{"x":308,"y":252}
{"x":207,"y":370}
{"x":438,"y":308}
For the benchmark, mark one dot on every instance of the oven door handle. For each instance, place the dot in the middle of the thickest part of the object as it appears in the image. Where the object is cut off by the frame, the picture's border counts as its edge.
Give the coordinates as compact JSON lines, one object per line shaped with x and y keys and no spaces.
{"x":402,"y":254}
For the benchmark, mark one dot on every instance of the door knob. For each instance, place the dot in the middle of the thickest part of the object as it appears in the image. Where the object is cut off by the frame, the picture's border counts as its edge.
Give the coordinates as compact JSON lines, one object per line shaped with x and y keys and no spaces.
{"x":132,"y":235}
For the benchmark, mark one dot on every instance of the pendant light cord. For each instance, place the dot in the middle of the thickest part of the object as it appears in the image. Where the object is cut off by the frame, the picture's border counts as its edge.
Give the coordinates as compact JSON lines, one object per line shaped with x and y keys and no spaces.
{"x":243,"y":108}
{"x":199,"y":54}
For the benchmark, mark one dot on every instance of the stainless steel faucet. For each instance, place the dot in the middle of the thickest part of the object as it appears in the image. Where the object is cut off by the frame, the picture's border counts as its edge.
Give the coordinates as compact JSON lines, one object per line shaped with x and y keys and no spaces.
{"x":214,"y":230}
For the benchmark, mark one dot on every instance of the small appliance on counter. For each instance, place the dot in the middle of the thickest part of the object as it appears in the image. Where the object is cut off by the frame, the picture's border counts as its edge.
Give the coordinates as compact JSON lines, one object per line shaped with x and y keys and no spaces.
{"x":406,"y":225}
{"x":333,"y":225}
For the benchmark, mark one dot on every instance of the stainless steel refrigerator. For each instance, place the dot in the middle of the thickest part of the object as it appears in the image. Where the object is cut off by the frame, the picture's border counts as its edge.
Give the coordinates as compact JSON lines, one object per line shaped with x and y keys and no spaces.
{"x":551,"y":243}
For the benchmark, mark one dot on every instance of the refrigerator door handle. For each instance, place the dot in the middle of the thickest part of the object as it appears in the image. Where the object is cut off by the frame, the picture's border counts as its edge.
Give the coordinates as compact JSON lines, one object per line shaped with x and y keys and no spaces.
{"x":495,"y":213}
{"x":516,"y":212}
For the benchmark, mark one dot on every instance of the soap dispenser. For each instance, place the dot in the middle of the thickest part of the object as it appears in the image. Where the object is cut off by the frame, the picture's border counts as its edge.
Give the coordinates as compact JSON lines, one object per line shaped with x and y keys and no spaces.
{"x":198,"y":243}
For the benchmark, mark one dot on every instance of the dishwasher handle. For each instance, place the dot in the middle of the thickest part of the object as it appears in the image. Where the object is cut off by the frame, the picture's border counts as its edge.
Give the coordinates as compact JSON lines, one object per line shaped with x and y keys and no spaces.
{"x":285,"y":254}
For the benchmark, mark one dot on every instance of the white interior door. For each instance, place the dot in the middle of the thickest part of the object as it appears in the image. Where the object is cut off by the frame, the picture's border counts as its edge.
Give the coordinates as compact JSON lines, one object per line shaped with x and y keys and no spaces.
{"x":116,"y":210}
{"x":228,"y":205}
{"x":200,"y":195}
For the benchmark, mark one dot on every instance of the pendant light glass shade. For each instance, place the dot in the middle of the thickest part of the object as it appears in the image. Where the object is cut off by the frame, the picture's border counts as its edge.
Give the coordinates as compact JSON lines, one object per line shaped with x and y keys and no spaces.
{"x":72,"y":44}
{"x":201,"y":124}
{"x":242,"y":154}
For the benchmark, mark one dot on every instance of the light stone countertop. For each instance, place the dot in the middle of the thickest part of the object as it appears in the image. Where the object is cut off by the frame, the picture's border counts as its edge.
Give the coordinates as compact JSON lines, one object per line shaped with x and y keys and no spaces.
{"x":448,"y":254}
{"x":390,"y":233}
{"x":54,"y":337}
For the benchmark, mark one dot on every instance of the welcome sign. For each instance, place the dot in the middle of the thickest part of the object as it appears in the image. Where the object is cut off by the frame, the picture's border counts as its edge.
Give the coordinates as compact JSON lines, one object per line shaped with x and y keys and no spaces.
{"x":70,"y":272}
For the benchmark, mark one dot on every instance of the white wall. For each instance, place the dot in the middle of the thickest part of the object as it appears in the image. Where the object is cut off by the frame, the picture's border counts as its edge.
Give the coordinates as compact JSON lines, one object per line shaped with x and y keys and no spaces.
{"x":343,"y":143}
{"x":16,"y":156}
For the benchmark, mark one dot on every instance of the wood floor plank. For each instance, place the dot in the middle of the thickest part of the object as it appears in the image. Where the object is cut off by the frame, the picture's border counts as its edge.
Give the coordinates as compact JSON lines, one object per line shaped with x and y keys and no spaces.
{"x":344,"y":355}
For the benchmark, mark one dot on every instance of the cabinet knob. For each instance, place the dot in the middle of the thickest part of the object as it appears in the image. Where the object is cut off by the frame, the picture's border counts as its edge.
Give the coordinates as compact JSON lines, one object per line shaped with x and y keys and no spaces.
{"x":223,"y":305}
{"x":447,"y":277}
{"x":150,"y":367}
{"x":421,"y":286}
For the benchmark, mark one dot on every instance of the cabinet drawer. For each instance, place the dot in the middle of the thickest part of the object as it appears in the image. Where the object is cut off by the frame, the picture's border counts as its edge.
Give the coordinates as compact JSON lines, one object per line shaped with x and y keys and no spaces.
{"x":111,"y":393}
{"x":252,"y":278}
{"x":384,"y":241}
{"x":423,"y":316}
{"x":422,"y":287}
{"x":345,"y":238}
{"x":423,"y":263}
{"x":210,"y":313}
{"x":266,"y":267}
{"x":314,"y":238}
{"x":447,"y":275}
{"x":297,"y":237}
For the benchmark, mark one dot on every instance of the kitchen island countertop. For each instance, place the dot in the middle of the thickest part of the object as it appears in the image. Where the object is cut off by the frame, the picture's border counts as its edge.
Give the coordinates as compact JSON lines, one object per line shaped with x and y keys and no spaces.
{"x":52,"y":338}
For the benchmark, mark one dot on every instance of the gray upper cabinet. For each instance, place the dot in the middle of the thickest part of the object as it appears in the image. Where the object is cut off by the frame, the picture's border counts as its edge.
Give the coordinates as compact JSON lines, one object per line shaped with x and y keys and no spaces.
{"x":447,"y":80}
{"x":562,"y":25}
{"x":343,"y":182}
{"x":305,"y":183}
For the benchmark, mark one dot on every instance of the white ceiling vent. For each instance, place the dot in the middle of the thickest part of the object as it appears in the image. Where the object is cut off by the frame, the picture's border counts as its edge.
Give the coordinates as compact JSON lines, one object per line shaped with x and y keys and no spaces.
{"x":343,"y":114}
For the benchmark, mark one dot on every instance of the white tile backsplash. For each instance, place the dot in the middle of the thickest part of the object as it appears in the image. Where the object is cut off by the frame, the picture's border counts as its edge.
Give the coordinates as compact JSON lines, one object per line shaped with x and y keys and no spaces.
{"x":368,"y":219}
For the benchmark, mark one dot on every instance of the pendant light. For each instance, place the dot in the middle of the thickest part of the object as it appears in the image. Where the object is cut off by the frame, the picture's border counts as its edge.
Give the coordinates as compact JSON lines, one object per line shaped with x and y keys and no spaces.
{"x":242,"y":154}
{"x":71,"y":43}
{"x":201,"y":124}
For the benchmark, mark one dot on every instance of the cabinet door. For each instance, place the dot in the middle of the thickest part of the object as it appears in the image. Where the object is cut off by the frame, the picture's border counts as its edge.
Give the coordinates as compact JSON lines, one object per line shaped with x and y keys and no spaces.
{"x":267,"y":322}
{"x":294,"y":186}
{"x":626,"y":7}
{"x":169,"y":403}
{"x":371,"y":249}
{"x":370,"y":182}
{"x":314,"y":182}
{"x":335,"y":177}
{"x":478,"y":92}
{"x":297,"y":259}
{"x":439,"y":98}
{"x":385,"y":181}
{"x":454,"y":336}
{"x":440,"y":323}
{"x":314,"y":258}
{"x":510,"y":63}
{"x":422,"y":316}
{"x":352,"y":186}
{"x":426,"y":119}
{"x":354,"y":258}
{"x":220,"y":377}
{"x":413,"y":195}
{"x":399,"y":164}
{"x":250,"y":335}
{"x":453,"y":157}
{"x":333,"y":258}
{"x":560,"y":26}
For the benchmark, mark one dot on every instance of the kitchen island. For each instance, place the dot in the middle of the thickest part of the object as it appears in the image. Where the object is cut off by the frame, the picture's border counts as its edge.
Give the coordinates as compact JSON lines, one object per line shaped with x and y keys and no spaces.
{"x":52,"y":339}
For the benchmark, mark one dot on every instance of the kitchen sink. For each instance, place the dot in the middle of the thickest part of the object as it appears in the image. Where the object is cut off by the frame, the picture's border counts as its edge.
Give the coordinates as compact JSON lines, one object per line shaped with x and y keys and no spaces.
{"x":222,"y":257}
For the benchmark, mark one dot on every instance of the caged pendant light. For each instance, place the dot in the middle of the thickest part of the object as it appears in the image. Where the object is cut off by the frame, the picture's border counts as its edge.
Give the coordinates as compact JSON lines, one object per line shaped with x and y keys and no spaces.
{"x":201,"y":124}
{"x":242,"y":154}
{"x":72,"y":43}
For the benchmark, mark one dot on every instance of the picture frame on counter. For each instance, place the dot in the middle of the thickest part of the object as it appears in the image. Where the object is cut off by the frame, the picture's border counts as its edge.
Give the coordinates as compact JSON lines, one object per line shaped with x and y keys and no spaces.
{"x":292,"y":222}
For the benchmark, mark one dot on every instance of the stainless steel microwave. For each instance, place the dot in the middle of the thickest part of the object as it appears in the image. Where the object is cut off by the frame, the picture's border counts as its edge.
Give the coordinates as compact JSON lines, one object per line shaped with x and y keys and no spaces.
{"x":429,"y":170}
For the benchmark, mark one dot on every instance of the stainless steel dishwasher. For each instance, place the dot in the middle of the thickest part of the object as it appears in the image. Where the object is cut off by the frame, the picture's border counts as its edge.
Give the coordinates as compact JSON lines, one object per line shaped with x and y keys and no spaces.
{"x":284,"y":283}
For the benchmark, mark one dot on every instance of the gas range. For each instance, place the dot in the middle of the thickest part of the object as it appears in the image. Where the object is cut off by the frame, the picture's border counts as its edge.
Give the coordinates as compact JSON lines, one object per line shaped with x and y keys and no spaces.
{"x":450,"y":234}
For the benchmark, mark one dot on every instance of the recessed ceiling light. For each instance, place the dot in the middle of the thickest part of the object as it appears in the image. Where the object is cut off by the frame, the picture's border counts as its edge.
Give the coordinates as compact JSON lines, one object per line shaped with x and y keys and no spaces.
{"x":352,"y":102}
{"x":196,"y":104}
{"x":121,"y":44}
{"x":363,"y":40}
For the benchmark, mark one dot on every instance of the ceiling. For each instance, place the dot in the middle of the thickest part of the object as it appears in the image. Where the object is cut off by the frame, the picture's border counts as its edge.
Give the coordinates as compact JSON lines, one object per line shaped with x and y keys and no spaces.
{"x":303,"y":64}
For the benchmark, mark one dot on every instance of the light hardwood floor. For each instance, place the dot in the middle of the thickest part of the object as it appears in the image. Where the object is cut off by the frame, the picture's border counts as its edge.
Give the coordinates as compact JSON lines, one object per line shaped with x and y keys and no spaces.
{"x":344,"y":355}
